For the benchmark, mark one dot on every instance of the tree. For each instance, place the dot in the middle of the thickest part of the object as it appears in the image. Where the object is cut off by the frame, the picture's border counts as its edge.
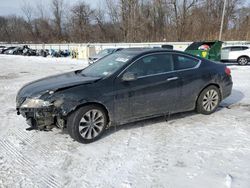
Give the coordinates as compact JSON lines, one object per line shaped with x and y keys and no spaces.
{"x":57,"y":8}
{"x":128,"y":21}
{"x":81,"y":17}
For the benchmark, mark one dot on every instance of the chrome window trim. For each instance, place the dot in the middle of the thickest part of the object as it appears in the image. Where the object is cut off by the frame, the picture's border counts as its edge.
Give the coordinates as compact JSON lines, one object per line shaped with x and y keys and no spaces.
{"x":175,"y":53}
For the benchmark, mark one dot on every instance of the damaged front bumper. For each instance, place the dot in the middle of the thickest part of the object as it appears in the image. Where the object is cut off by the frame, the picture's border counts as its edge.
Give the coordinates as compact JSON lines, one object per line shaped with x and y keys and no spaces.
{"x":44,"y":115}
{"x":43,"y":118}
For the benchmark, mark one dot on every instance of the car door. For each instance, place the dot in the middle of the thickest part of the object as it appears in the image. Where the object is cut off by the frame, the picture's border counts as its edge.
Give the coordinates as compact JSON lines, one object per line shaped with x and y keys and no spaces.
{"x":187,"y":69}
{"x":235,"y":53}
{"x":156,"y":88}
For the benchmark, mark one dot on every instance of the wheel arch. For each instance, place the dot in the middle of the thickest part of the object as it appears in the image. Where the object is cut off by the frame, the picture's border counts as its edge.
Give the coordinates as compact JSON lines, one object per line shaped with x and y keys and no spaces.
{"x":98,"y":104}
{"x":208,"y":85}
{"x":243,"y":56}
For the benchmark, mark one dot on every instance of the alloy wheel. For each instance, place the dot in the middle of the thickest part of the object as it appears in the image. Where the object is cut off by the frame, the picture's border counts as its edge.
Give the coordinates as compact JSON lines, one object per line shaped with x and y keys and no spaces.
{"x":210,"y":100}
{"x":91,"y":124}
{"x":243,"y":61}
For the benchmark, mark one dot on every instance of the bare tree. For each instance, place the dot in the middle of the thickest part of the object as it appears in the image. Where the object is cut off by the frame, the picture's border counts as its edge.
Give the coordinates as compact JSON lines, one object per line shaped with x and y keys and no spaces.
{"x":4,"y":31}
{"x":41,"y":10}
{"x":181,"y":11}
{"x":57,"y":8}
{"x":81,"y":17}
{"x":128,"y":21}
{"x":27,"y":10}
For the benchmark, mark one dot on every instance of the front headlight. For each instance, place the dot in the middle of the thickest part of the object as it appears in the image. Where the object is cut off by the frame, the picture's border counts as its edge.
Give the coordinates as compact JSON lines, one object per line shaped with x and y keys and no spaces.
{"x":35,"y":103}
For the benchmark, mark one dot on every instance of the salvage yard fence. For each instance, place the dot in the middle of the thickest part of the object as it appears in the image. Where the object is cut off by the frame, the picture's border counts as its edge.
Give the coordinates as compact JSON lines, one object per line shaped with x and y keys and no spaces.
{"x":84,"y":50}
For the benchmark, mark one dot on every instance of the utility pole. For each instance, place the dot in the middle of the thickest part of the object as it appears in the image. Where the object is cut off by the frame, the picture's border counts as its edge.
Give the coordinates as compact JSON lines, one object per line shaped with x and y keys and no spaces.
{"x":222,"y":19}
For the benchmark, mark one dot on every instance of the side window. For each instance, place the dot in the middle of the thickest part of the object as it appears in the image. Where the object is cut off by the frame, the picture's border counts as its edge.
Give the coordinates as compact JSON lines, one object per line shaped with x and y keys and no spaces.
{"x":226,"y":48}
{"x":183,"y":62}
{"x":237,"y":48}
{"x":244,"y":48}
{"x":152,"y":64}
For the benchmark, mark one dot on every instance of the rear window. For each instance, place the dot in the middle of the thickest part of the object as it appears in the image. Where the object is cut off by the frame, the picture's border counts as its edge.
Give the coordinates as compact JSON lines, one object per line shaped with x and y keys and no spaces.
{"x":184,"y":62}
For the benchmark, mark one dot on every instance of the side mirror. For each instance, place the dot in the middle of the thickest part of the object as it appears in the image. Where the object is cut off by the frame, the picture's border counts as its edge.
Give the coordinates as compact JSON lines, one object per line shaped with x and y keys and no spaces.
{"x":129,"y":76}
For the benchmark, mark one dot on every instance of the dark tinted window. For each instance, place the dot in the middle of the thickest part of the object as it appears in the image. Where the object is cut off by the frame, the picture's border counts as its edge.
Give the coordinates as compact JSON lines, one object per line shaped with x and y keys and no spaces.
{"x":226,"y":48}
{"x":183,"y":62}
{"x":152,"y":64}
{"x":236,"y":48}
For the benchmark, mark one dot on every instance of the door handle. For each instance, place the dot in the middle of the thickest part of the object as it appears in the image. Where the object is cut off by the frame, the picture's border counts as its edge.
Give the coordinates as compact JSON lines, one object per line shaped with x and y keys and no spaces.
{"x":172,"y":79}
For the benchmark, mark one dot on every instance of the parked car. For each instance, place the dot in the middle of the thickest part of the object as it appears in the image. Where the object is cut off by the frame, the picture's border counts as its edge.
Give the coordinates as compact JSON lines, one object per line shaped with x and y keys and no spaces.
{"x":59,"y":53}
{"x":19,"y":50}
{"x":43,"y":53}
{"x":240,"y":54}
{"x":11,"y":51}
{"x":2,"y":48}
{"x":64,"y":53}
{"x":123,"y":87}
{"x":102,"y":54}
{"x":8,"y":50}
{"x":29,"y":52}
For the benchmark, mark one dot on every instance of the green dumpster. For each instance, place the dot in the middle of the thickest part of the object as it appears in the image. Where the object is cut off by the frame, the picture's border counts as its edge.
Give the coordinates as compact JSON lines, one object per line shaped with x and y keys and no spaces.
{"x":208,"y":50}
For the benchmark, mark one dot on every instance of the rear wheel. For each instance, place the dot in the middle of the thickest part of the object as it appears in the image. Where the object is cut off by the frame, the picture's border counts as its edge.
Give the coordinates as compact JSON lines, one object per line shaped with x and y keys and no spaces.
{"x":209,"y":100}
{"x":243,"y":60}
{"x":87,"y":124}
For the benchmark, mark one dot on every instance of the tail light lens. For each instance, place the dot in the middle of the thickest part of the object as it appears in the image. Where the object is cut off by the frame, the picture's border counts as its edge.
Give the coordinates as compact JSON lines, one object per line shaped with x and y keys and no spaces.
{"x":228,"y":71}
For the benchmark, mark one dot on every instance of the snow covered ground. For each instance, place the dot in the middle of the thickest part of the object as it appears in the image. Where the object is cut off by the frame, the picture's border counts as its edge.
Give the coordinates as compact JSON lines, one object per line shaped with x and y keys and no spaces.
{"x":190,"y":150}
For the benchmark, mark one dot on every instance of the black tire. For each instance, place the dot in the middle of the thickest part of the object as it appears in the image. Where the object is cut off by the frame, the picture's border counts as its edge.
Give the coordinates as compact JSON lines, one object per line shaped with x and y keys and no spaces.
{"x":74,"y":124}
{"x":243,"y":60}
{"x":203,"y":103}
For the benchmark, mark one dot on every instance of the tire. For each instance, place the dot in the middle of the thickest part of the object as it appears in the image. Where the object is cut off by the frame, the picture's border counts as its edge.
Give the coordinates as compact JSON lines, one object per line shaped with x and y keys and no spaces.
{"x":243,"y":60}
{"x":87,"y":124}
{"x":208,"y":100}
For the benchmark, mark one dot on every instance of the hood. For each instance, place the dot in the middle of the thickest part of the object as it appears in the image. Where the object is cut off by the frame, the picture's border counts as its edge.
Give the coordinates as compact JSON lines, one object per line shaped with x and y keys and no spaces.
{"x":54,"y":83}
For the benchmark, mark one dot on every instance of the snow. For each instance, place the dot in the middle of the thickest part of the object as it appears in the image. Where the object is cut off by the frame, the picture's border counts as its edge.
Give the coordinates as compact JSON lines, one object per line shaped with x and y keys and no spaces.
{"x":189,"y":150}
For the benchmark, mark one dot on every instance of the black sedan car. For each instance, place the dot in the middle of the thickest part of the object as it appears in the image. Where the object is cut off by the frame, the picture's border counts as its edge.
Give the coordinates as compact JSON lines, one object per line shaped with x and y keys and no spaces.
{"x":123,"y":87}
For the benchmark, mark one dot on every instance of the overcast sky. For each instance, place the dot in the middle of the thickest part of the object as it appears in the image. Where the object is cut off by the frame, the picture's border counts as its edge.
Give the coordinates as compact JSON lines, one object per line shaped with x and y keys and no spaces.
{"x":10,"y":7}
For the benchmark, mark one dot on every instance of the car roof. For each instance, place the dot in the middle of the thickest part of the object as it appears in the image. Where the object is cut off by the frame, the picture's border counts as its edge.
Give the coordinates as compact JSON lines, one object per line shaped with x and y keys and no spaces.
{"x":144,"y":51}
{"x":139,"y":51}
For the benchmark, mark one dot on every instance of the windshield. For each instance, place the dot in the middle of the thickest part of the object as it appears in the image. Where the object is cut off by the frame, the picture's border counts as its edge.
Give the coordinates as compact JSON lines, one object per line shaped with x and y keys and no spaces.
{"x":107,"y":65}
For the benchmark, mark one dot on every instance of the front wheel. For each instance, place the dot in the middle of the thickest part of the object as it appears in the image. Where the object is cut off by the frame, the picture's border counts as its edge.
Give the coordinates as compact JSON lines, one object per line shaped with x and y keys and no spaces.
{"x":243,"y":61}
{"x":208,"y":101}
{"x":87,"y":124}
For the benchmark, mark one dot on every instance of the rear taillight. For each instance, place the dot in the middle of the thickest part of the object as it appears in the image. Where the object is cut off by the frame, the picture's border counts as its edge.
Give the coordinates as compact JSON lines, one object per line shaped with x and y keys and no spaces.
{"x":228,"y":71}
